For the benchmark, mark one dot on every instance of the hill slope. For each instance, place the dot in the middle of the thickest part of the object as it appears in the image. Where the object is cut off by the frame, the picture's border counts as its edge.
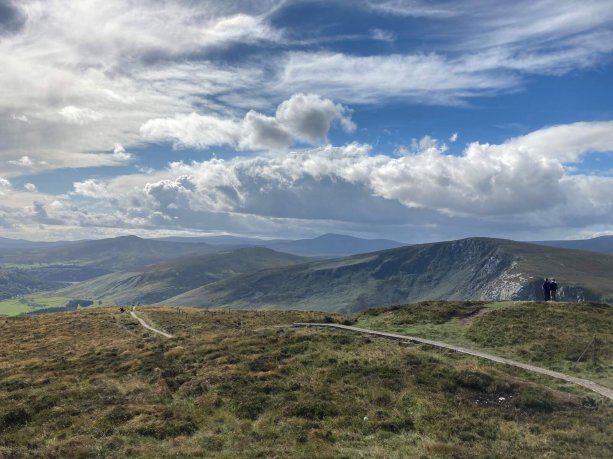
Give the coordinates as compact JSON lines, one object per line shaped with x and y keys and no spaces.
{"x":475,"y":268}
{"x":232,"y":384}
{"x":16,"y":282}
{"x":157,"y":282}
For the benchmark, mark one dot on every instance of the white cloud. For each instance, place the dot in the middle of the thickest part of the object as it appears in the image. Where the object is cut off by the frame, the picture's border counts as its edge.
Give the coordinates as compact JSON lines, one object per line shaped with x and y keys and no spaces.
{"x":22,"y":118}
{"x":303,"y":117}
{"x":91,"y":189}
{"x":426,"y":78}
{"x":30,"y":187}
{"x":120,"y":153}
{"x":515,"y":183}
{"x":521,"y":185}
{"x":453,"y":137}
{"x":382,"y":35}
{"x":309,"y":117}
{"x":193,"y":130}
{"x":261,"y":132}
{"x":4,"y":185}
{"x":24,"y":161}
{"x":415,"y":8}
{"x":85,"y":86}
{"x":476,"y":49}
{"x":80,"y":116}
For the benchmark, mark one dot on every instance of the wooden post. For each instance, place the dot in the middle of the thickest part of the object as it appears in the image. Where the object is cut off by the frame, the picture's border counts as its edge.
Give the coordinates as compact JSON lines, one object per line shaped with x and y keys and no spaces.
{"x":585,"y":350}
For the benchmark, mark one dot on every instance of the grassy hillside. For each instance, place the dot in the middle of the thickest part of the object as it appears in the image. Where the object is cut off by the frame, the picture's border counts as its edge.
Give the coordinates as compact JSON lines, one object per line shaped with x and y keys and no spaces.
{"x":552,"y":335}
{"x":476,"y":268}
{"x":232,"y":384}
{"x":160,"y":281}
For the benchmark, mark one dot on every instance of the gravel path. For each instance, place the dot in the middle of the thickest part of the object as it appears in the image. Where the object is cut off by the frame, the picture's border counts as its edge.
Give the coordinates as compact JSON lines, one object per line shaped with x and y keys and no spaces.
{"x":149,"y":327}
{"x":554,"y":374}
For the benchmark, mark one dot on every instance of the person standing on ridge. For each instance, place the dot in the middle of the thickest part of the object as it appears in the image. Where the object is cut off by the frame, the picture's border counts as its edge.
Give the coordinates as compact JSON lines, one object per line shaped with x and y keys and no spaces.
{"x":553,"y":288}
{"x":547,"y":289}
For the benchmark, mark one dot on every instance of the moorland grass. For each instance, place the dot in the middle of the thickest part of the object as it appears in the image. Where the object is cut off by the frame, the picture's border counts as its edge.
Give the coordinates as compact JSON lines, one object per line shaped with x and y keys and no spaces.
{"x":94,"y":383}
{"x":551,"y":335}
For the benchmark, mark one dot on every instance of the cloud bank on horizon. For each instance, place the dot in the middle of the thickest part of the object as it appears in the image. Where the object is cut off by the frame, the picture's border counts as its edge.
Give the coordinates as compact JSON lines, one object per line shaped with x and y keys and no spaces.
{"x":294,"y":118}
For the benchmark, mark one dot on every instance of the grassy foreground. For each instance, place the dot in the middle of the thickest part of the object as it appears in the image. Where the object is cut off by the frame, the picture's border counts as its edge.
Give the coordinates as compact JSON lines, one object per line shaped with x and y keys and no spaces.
{"x":552,"y":335}
{"x":93,"y":383}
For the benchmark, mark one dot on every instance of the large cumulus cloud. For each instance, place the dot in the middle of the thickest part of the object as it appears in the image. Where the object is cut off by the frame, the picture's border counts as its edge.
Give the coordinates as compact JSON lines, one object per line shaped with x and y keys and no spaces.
{"x":303,"y":117}
{"x":524,"y":187}
{"x":524,"y":181}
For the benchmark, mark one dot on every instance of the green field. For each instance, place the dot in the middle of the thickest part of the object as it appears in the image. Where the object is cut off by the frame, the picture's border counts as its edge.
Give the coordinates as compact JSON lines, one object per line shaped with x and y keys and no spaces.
{"x":14,"y":307}
{"x":39,"y":265}
{"x":28,"y":303}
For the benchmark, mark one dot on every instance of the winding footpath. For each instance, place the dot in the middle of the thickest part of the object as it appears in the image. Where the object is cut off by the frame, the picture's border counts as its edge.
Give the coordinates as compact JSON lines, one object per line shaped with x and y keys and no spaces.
{"x":147,"y":326}
{"x":605,"y":391}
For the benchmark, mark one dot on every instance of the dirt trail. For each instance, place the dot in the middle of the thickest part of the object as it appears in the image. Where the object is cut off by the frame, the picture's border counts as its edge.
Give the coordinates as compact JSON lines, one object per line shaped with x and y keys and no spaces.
{"x":602,"y":390}
{"x":147,"y":326}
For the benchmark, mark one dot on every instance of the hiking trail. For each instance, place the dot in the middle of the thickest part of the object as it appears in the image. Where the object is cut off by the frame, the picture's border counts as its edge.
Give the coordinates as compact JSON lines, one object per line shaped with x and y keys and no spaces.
{"x":147,"y":326}
{"x":602,"y":390}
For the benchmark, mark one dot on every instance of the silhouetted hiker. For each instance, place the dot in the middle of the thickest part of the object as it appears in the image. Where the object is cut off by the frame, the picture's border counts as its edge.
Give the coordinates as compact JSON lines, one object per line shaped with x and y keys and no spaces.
{"x":547,"y":289}
{"x":553,"y":288}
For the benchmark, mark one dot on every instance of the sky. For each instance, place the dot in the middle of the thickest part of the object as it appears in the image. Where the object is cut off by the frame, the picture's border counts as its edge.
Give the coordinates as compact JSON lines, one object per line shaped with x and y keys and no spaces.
{"x":411,"y":120}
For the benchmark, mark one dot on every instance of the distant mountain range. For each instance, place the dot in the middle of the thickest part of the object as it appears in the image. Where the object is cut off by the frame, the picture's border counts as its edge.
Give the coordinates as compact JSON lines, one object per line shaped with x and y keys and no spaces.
{"x":333,"y":245}
{"x":6,"y":243}
{"x":114,"y":254}
{"x":598,"y":244}
{"x":160,"y":281}
{"x":325,"y":246}
{"x":129,"y":269}
{"x":474,"y":268}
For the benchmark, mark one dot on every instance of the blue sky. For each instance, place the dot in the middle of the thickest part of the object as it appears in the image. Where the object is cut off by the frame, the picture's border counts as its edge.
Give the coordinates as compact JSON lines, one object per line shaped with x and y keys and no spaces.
{"x":412,"y":120}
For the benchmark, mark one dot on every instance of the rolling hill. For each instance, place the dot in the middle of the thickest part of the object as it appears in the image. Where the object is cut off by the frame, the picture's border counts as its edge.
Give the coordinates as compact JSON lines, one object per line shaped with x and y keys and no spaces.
{"x":105,"y":255}
{"x":474,"y":268}
{"x":160,"y":281}
{"x":598,"y":244}
{"x":7,"y":243}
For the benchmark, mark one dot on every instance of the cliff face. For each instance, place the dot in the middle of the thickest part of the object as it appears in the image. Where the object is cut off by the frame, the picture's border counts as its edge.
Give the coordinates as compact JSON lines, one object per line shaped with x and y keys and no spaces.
{"x":509,"y":284}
